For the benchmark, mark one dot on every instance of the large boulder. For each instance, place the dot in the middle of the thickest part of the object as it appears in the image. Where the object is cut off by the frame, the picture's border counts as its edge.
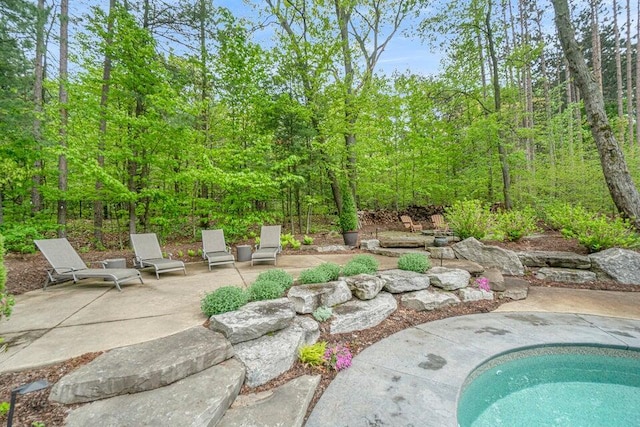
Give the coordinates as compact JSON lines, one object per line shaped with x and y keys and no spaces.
{"x":144,"y":366}
{"x":515,"y":289}
{"x":365,"y":286}
{"x":199,"y":400}
{"x":398,"y":281}
{"x":357,"y":315}
{"x":428,"y":300}
{"x":307,"y":298}
{"x":621,"y":265}
{"x":565,"y":275}
{"x":473,"y":294}
{"x":449,"y":279}
{"x":270,"y":355}
{"x":254,"y":320}
{"x":489,"y":256}
{"x":444,"y":252}
{"x":495,"y":278}
{"x":555,"y":259}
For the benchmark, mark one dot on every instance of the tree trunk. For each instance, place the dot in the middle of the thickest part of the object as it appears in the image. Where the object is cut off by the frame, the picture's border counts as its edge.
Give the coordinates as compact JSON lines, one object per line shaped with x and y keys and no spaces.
{"x":616,"y":36}
{"x":637,"y":78}
{"x":63,"y":98}
{"x":36,"y":196}
{"x":629,"y":78}
{"x":98,"y":203}
{"x":596,"y":50}
{"x":621,"y":186}
{"x":502,"y":152}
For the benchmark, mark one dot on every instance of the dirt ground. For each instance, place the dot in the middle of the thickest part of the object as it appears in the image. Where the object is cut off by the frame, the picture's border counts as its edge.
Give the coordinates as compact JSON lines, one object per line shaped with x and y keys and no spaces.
{"x":26,"y":272}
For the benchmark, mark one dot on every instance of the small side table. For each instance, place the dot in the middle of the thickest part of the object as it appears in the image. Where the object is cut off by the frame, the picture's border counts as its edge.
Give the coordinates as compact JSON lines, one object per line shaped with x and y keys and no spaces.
{"x":115,"y":263}
{"x":244,"y":253}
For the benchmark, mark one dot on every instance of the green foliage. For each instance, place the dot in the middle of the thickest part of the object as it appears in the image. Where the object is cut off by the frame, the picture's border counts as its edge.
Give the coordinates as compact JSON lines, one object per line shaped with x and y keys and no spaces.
{"x":563,"y":216}
{"x":20,"y":237}
{"x":312,"y":354}
{"x":306,"y":240}
{"x":360,"y":264}
{"x":470,"y":218}
{"x":4,"y":408}
{"x":284,"y":279}
{"x":348,"y":216}
{"x":414,"y":262}
{"x":222,"y":300}
{"x":515,"y":224}
{"x":322,"y":314}
{"x":191,"y":252}
{"x":6,"y":301}
{"x":323,"y":273}
{"x":265,"y":290}
{"x":37,"y":424}
{"x":180,"y":253}
{"x":289,"y":239}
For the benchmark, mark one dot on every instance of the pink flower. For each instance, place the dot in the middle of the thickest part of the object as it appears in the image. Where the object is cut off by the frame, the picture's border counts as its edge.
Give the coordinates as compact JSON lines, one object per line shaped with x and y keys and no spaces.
{"x":483,"y":284}
{"x":338,"y":357}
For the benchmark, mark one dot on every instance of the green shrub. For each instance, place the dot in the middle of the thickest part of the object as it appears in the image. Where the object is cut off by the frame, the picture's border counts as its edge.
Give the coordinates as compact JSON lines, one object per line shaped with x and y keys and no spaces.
{"x":331,"y":270}
{"x":313,"y":354}
{"x":348,"y":216}
{"x":470,"y":218}
{"x":289,"y":240}
{"x":284,"y":279}
{"x":20,"y":238}
{"x":360,"y":264}
{"x":516,"y":224}
{"x":306,"y":240}
{"x":414,"y":262}
{"x":4,"y":408}
{"x":322,"y":314}
{"x":265,"y":290}
{"x":191,"y":253}
{"x":222,"y":300}
{"x":563,"y":217}
{"x":602,"y":233}
{"x":313,"y":275}
{"x":6,"y":301}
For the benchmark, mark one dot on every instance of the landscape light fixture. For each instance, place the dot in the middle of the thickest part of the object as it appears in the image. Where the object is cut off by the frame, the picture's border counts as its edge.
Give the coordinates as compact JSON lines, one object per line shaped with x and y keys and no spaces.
{"x":24,"y":389}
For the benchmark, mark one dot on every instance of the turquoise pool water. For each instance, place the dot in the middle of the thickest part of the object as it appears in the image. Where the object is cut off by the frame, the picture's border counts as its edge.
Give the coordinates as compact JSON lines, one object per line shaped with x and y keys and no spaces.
{"x":554,"y":386}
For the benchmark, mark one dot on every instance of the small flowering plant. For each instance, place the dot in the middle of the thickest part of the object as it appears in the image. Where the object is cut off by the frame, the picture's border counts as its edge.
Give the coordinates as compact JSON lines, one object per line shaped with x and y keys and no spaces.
{"x":483,"y":284}
{"x":338,"y":357}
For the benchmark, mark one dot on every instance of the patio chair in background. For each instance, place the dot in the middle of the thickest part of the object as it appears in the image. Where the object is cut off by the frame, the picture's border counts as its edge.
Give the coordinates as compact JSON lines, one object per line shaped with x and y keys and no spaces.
{"x":439,"y":224}
{"x":269,"y":246}
{"x":214,"y":248}
{"x":67,"y":265}
{"x":148,"y":254}
{"x":408,"y":223}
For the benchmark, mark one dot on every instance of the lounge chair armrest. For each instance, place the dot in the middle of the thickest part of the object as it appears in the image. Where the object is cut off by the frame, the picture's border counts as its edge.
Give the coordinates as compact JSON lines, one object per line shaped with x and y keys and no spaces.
{"x":102,"y":263}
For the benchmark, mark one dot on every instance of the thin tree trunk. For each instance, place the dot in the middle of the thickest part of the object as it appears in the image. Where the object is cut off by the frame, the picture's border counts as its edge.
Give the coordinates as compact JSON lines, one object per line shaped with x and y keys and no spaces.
{"x":629,"y":78}
{"x":637,"y":76}
{"x":596,"y":49}
{"x":36,"y":196}
{"x":616,"y":173}
{"x":502,"y":152}
{"x":63,"y":98}
{"x":98,"y":204}
{"x":616,"y":35}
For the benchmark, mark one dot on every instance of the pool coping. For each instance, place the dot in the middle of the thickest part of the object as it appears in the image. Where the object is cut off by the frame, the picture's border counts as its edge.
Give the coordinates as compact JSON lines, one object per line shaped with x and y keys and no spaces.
{"x":415,"y":376}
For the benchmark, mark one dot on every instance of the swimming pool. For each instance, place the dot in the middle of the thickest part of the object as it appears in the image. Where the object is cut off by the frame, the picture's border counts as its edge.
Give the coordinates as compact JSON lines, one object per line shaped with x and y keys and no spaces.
{"x":554,"y":386}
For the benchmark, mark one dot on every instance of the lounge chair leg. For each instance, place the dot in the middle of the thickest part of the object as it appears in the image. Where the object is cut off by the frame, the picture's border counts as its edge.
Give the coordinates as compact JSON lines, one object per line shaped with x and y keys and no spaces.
{"x":157,"y":275}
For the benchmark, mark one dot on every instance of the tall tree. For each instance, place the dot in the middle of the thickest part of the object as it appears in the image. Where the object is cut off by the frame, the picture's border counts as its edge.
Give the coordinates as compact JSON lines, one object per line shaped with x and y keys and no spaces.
{"x":63,"y":99}
{"x":623,"y":191}
{"x":36,"y":195}
{"x":629,"y":76}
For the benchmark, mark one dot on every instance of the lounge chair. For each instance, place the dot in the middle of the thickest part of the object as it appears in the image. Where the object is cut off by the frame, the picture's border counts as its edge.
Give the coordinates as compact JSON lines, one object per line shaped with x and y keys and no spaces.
{"x":214,"y":248}
{"x":408,"y":223}
{"x":439,"y":224}
{"x":269,"y":246}
{"x":148,"y":254}
{"x":67,"y":265}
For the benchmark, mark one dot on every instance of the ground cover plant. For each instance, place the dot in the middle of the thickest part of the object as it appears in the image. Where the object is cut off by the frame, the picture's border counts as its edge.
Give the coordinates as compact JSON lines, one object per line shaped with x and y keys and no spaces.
{"x":360,"y":264}
{"x":414,"y":262}
{"x":325,"y":272}
{"x":281,"y":277}
{"x":224,"y":299}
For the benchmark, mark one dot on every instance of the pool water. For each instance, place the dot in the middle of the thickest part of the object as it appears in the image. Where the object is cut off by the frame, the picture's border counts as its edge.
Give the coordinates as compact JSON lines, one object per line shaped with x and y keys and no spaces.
{"x":554,"y":386}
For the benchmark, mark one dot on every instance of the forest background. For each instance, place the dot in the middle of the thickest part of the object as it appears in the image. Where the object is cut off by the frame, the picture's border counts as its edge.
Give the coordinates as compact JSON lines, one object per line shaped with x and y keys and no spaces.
{"x":173,"y":116}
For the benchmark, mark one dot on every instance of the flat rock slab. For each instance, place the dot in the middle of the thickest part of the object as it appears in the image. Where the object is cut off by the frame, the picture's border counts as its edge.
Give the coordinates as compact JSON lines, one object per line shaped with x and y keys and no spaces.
{"x":428,"y":300}
{"x":269,"y":356}
{"x":398,"y":281}
{"x":143,"y":366}
{"x":449,"y":279}
{"x":254,"y":320}
{"x":565,"y":275}
{"x":307,"y":298}
{"x":357,"y":315}
{"x":198,"y":400}
{"x":267,"y":409}
{"x":396,"y":252}
{"x":555,"y":259}
{"x":472,"y":294}
{"x":622,"y":265}
{"x":489,"y":256}
{"x":515,"y":289}
{"x":405,"y":242}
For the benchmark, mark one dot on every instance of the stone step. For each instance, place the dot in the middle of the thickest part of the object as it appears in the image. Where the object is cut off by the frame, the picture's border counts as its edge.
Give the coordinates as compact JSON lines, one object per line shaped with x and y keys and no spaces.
{"x":357,"y":315}
{"x":282,"y":406}
{"x":144,"y":366}
{"x":198,"y":400}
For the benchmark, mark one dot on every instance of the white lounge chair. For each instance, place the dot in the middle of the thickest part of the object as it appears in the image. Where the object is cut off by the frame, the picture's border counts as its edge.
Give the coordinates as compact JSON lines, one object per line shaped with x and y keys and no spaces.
{"x":67,"y":265}
{"x":149,"y":254}
{"x":269,"y":246}
{"x":214,"y":248}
